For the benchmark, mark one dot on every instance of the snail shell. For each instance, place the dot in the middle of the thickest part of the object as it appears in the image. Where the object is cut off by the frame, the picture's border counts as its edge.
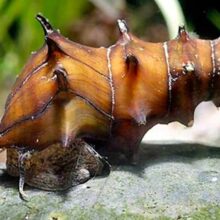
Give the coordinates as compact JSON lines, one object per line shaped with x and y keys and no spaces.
{"x":70,"y":92}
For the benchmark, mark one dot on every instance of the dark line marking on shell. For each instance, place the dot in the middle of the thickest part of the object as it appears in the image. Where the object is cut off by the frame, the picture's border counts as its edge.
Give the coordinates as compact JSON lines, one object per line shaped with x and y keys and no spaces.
{"x":106,"y":77}
{"x":90,"y":103}
{"x":35,"y":70}
{"x":29,"y":117}
{"x":38,"y":114}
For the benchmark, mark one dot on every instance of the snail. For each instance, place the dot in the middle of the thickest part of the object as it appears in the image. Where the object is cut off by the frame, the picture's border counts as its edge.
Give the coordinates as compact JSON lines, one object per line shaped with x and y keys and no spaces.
{"x":70,"y":95}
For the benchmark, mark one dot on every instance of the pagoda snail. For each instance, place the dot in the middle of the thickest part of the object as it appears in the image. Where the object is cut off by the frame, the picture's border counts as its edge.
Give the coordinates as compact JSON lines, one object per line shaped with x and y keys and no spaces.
{"x":69,"y":94}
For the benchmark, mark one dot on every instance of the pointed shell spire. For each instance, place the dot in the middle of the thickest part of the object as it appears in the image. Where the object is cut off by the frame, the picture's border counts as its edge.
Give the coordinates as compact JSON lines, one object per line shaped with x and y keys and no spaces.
{"x":182,"y":33}
{"x":122,"y":25}
{"x":47,"y":27}
{"x":124,"y":30}
{"x":48,"y":30}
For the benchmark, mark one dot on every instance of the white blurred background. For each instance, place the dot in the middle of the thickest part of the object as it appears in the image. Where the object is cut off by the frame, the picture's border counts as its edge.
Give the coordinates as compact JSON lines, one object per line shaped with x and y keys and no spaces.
{"x":205,"y":129}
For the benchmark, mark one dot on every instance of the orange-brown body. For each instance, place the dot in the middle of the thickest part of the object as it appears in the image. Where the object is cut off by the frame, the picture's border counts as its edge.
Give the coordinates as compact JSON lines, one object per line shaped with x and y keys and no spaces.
{"x":68,"y":91}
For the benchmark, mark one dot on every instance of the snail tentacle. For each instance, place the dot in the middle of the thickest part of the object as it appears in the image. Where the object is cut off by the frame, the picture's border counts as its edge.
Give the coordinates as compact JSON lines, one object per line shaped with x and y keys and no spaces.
{"x":24,"y":154}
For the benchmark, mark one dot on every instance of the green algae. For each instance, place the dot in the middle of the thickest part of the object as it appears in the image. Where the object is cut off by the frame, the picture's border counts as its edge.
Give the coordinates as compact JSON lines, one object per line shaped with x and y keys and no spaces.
{"x":206,"y":213}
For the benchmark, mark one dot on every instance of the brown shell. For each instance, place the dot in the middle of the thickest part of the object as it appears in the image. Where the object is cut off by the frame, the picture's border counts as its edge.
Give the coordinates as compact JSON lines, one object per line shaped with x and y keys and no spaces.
{"x":115,"y":94}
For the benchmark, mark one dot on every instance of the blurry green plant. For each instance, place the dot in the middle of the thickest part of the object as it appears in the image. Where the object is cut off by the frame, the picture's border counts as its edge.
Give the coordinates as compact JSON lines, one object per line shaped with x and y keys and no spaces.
{"x":214,"y":17}
{"x":20,"y":33}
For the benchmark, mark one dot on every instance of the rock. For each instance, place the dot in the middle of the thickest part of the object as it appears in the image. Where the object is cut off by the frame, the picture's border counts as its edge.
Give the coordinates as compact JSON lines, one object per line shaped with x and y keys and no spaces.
{"x":170,"y":182}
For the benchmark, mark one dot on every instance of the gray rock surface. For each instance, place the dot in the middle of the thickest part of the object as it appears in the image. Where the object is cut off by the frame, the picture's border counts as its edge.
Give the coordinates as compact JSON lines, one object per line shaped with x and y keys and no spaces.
{"x":170,"y":182}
